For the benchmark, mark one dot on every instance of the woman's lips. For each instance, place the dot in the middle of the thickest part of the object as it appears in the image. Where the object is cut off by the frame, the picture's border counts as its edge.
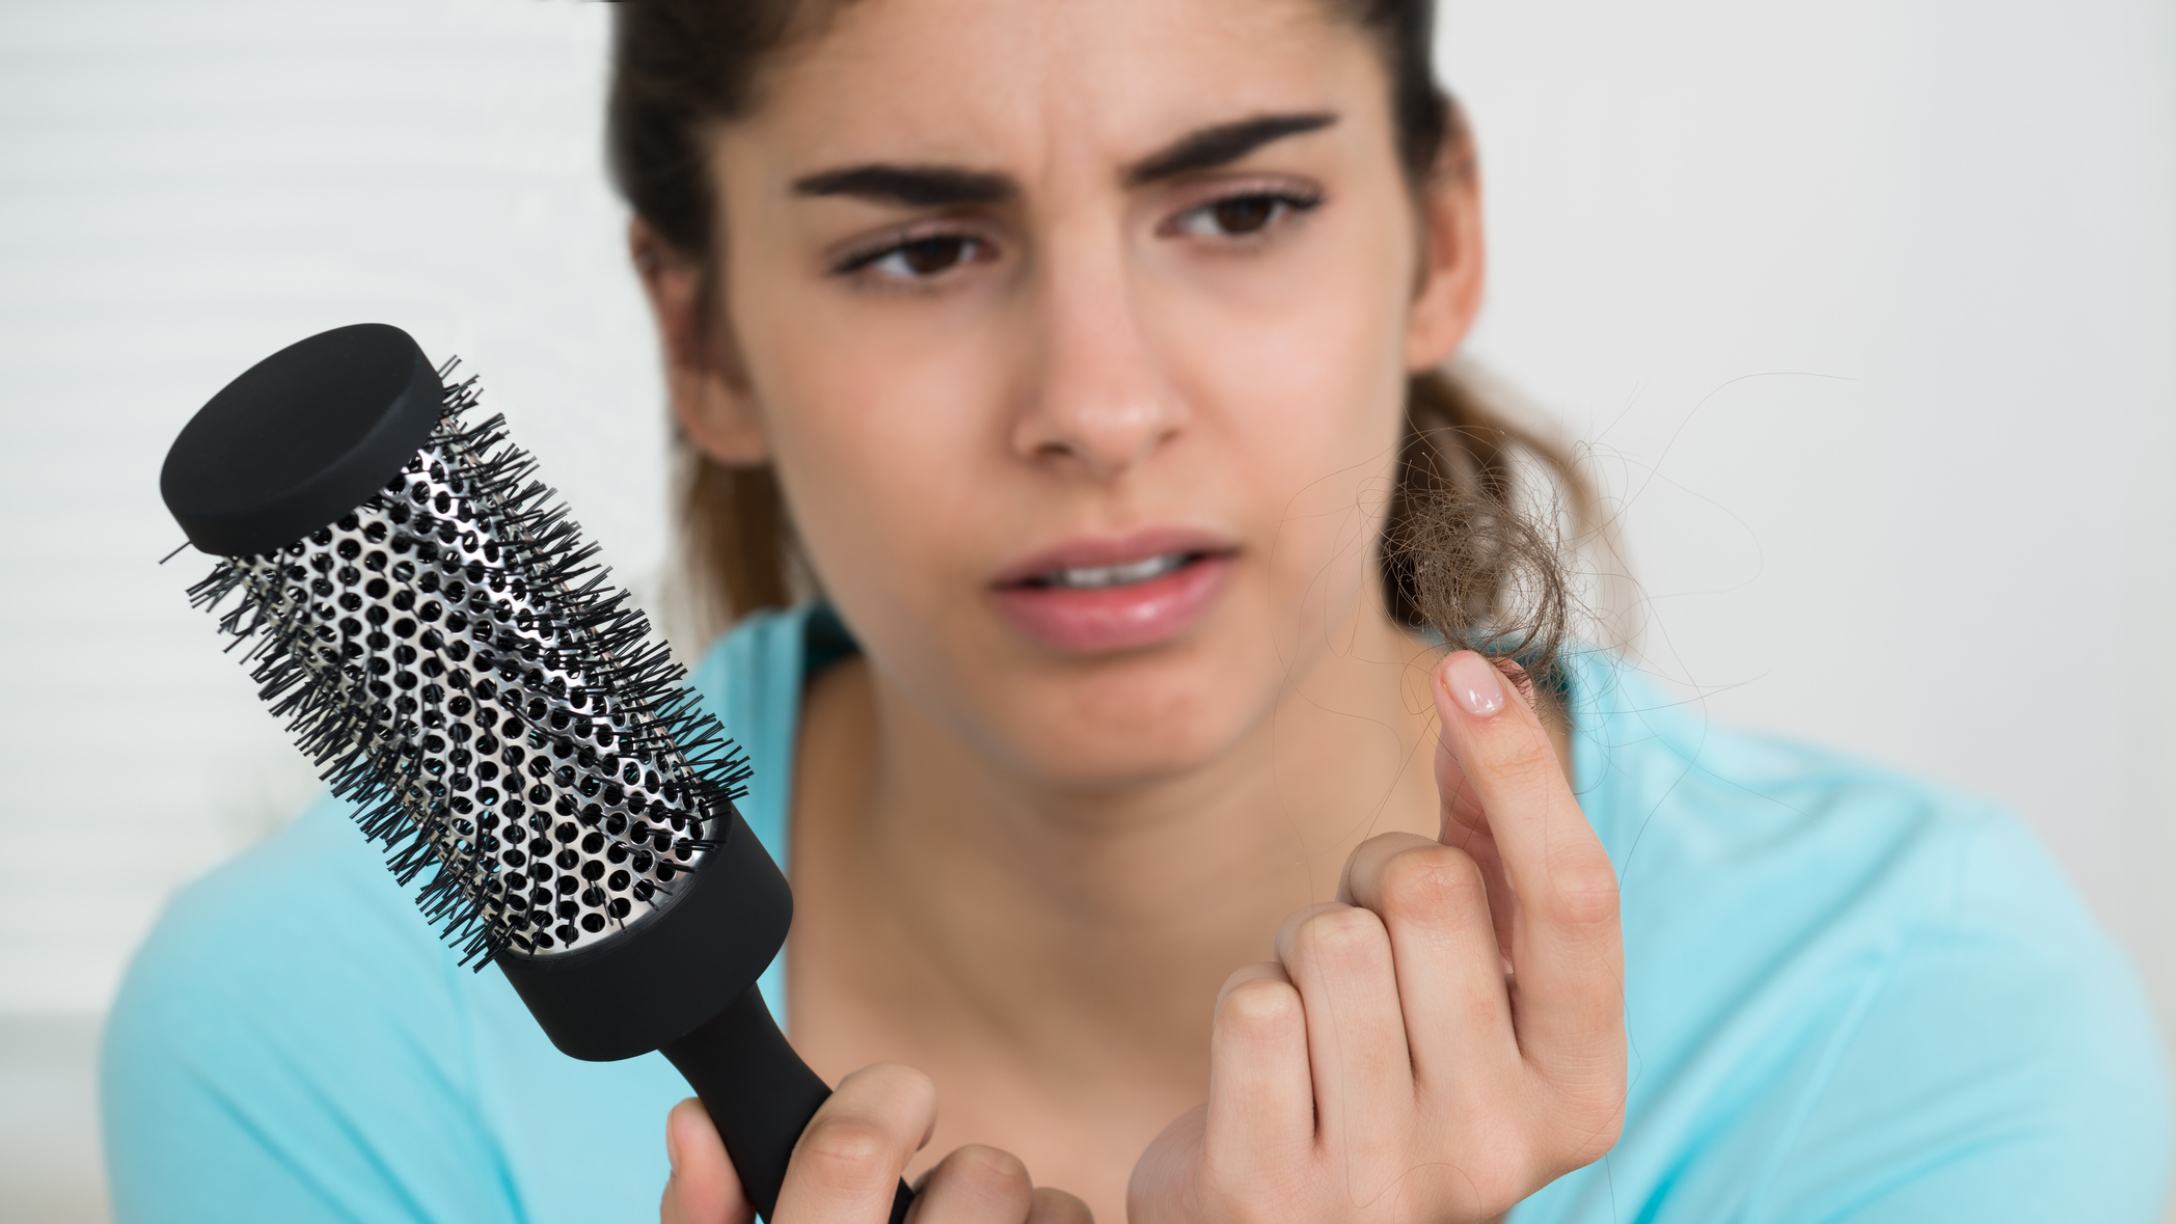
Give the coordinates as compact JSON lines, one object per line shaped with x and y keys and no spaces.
{"x":1097,"y":596}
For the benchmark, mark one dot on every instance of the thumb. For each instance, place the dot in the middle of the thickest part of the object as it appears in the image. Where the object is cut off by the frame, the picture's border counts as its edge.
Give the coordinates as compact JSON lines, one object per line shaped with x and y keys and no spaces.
{"x":1467,"y":683}
{"x":1476,"y":682}
{"x":703,"y":1188}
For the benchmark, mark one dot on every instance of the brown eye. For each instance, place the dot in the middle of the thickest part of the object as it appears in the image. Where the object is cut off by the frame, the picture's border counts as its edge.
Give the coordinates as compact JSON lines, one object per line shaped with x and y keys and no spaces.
{"x":929,"y":256}
{"x":919,"y":259}
{"x":1254,"y":215}
{"x":1245,"y":215}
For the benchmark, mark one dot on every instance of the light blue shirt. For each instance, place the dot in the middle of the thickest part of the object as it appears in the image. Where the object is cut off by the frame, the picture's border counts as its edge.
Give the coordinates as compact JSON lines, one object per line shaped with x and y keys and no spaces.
{"x":1850,"y":995}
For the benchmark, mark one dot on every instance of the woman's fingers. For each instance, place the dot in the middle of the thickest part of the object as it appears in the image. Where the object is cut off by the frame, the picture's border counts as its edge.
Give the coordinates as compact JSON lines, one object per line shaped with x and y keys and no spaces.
{"x":1441,"y":1089}
{"x":1566,"y":946}
{"x":1175,"y":1175}
{"x":1435,"y":908}
{"x":1339,"y":958}
{"x":1057,"y":1207}
{"x":983,"y":1185}
{"x":1261,"y":1097}
{"x":845,"y":1169}
{"x":975,"y":1184}
{"x":703,"y":1188}
{"x":846,"y":1166}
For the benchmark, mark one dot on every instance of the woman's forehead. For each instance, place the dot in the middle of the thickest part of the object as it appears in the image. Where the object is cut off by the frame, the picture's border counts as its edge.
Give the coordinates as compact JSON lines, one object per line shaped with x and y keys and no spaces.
{"x":1015,"y":81}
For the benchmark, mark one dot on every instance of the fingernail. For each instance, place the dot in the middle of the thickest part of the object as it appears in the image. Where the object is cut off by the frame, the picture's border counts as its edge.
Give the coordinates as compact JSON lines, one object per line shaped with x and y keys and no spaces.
{"x":1475,"y":685}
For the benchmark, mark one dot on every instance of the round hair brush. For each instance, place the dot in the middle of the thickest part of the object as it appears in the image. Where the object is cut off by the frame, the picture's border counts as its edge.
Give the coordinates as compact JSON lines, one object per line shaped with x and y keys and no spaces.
{"x":444,"y":646}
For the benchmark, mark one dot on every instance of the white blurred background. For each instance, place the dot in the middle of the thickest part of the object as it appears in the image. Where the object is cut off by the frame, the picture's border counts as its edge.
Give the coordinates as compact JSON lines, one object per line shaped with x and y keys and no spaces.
{"x":1865,"y":312}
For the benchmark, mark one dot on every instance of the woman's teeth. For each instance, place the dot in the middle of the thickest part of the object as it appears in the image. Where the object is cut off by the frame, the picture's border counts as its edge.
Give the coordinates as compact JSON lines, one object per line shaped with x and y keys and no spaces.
{"x":1091,"y":577}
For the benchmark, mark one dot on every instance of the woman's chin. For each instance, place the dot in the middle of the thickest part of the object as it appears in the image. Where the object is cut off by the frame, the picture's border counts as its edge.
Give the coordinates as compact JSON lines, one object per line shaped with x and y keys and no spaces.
{"x":1135,"y":719}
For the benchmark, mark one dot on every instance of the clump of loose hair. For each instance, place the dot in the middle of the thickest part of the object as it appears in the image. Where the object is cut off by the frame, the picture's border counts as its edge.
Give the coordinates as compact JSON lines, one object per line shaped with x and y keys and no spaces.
{"x":1459,"y":554}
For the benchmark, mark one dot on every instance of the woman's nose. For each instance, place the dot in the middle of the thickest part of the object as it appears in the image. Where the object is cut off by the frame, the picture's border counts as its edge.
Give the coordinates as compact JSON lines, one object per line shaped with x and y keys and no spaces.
{"x":1100,"y":399}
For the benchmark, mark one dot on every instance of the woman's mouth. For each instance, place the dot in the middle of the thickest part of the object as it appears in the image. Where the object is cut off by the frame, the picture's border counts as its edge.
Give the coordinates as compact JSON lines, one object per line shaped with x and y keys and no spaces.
{"x":1095,"y":577}
{"x":1097,"y":596}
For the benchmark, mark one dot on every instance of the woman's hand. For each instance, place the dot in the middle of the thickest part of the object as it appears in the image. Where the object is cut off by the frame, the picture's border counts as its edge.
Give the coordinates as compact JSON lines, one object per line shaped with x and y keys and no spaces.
{"x":1445,"y":1039}
{"x":847,"y":1164}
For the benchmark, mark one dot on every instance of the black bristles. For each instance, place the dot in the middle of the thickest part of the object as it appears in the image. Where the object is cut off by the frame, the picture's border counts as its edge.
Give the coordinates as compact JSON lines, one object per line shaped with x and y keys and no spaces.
{"x":458,"y":665}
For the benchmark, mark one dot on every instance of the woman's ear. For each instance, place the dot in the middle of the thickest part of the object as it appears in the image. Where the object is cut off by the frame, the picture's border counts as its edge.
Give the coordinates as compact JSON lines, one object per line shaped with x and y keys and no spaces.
{"x":709,"y":397}
{"x":1453,"y":262}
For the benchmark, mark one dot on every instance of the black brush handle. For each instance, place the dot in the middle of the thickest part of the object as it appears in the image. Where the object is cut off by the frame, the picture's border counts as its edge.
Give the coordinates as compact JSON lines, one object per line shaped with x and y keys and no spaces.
{"x":332,"y":431}
{"x":759,"y":1093}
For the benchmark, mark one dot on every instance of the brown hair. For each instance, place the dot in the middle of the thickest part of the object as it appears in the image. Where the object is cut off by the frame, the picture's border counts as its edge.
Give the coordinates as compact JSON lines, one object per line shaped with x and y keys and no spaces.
{"x":1458,"y":553}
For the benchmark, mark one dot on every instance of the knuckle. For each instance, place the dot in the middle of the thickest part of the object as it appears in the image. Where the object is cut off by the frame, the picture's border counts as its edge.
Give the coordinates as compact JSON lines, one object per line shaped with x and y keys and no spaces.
{"x":1049,"y":1206}
{"x":1588,"y":1119}
{"x":1526,"y":763}
{"x":990,"y":1172}
{"x":893,"y":1089}
{"x":1589,"y":1136}
{"x":846,"y":1149}
{"x":1583,"y":894}
{"x":1602,"y":1138}
{"x":1371,"y":855}
{"x":1505,"y":1172}
{"x":867,"y":1129}
{"x":1339,"y":931}
{"x":1432,"y":883}
{"x":1260,"y":1007}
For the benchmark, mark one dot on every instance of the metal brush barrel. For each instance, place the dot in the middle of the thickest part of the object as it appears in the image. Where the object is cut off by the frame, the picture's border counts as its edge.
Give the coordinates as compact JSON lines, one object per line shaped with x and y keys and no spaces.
{"x":444,"y":646}
{"x":542,"y":793}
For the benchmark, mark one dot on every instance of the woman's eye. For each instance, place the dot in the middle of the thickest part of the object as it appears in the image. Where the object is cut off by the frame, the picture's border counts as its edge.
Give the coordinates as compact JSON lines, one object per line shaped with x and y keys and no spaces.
{"x":1240,"y":216}
{"x":919,"y":259}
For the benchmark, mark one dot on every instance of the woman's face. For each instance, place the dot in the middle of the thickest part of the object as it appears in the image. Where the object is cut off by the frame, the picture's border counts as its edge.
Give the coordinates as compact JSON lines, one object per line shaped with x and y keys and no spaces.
{"x":1078,"y":336}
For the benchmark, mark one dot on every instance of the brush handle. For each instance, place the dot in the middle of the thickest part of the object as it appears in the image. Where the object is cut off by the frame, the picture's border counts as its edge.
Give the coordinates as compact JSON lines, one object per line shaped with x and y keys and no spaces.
{"x":759,"y":1093}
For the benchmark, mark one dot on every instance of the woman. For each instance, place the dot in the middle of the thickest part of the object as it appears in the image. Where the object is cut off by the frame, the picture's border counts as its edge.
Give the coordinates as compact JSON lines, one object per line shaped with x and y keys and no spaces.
{"x":1080,"y":355}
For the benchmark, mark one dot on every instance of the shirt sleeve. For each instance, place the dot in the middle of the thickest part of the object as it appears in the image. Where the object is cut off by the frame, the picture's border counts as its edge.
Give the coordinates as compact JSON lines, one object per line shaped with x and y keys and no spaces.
{"x":286,"y":1047}
{"x":2008,"y":1070}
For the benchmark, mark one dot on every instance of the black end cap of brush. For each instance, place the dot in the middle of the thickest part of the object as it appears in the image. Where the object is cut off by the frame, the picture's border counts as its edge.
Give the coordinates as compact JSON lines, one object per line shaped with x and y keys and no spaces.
{"x":300,"y":439}
{"x":667,"y":974}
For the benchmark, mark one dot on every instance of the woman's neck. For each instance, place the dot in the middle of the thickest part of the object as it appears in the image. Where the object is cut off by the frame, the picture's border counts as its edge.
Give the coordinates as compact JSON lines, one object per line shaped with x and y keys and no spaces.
{"x":995,"y":909}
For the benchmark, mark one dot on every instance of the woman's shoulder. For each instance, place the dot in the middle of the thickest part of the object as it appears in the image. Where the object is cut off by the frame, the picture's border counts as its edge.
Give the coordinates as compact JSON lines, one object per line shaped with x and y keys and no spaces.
{"x":745,"y":673}
{"x":284,"y":1006}
{"x":294,"y":1042}
{"x":1674,"y":792}
{"x":310,"y":908}
{"x":1740,"y":850}
{"x":1858,"y":981}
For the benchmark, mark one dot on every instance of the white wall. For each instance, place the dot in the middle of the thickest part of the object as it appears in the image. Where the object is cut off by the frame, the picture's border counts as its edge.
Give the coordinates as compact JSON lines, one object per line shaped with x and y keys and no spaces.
{"x":187,"y":188}
{"x":1867,"y":312}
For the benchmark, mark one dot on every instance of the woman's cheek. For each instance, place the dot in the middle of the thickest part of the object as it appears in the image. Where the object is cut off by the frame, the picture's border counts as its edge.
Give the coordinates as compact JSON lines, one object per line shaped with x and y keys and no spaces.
{"x":1312,"y":417}
{"x":885,"y":451}
{"x":876,"y":496}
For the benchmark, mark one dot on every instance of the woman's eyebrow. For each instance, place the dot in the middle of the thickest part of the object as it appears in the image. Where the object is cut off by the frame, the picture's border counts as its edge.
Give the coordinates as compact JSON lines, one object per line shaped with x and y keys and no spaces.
{"x":948,"y":186}
{"x":912,"y":186}
{"x":1220,"y":145}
